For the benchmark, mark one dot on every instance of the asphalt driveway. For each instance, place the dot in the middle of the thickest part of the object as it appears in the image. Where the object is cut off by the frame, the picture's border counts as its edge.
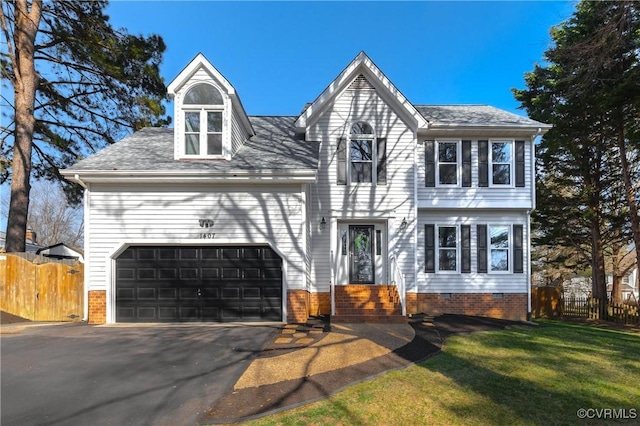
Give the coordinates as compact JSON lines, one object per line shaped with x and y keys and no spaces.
{"x":76,"y":374}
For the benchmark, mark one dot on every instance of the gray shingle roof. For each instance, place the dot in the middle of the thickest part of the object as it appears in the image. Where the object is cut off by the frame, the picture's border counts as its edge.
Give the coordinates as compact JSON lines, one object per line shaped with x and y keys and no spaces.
{"x":474,"y":115}
{"x":274,"y":147}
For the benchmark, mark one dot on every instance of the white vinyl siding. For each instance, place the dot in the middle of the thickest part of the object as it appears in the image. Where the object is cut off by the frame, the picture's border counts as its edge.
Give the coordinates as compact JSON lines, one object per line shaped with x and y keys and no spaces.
{"x":499,"y":196}
{"x":473,"y":282}
{"x":238,"y":137}
{"x":389,"y":203}
{"x":166,"y":214}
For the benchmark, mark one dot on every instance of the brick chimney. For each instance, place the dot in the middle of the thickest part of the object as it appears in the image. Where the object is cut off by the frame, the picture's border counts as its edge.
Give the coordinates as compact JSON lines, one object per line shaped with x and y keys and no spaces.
{"x":31,"y":236}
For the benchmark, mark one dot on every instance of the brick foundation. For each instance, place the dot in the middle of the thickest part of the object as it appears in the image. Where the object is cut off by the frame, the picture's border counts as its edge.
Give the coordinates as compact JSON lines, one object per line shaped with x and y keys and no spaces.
{"x":511,"y":306}
{"x":319,"y":303}
{"x":297,"y":306}
{"x":97,"y":307}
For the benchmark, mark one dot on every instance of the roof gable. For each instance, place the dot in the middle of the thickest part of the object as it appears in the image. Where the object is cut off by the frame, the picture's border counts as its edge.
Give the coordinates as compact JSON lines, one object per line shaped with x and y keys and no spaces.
{"x":198,"y":63}
{"x":361,"y":69}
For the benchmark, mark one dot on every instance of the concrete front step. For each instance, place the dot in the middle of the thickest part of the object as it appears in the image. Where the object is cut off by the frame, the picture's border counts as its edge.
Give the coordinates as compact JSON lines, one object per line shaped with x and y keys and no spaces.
{"x":377,"y":319}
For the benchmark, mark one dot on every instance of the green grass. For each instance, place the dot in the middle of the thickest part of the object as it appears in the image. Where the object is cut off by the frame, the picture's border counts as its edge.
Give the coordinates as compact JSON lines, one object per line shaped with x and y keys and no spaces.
{"x":522,"y":376}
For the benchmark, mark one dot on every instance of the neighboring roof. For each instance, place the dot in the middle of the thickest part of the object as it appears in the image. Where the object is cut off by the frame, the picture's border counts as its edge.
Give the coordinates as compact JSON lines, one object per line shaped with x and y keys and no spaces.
{"x":474,"y":115}
{"x":61,"y":251}
{"x":30,"y":247}
{"x":275,"y":147}
{"x":361,"y":64}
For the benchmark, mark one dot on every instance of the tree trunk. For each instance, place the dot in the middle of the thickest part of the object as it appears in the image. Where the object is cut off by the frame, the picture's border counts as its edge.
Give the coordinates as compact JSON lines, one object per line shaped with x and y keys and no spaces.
{"x":27,"y":20}
{"x":616,"y":283}
{"x":598,"y":278}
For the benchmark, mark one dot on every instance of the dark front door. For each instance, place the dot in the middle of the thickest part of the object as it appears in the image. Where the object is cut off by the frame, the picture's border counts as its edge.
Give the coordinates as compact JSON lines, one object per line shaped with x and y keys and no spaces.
{"x":361,"y":266}
{"x":198,"y":283}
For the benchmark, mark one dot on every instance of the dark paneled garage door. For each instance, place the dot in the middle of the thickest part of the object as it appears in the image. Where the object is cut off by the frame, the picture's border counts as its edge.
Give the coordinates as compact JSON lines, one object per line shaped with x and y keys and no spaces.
{"x":200,"y":283}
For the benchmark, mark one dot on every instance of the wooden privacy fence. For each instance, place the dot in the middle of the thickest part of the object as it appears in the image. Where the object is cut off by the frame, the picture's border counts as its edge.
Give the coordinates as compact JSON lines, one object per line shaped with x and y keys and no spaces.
{"x":39,"y":288}
{"x":548,"y":302}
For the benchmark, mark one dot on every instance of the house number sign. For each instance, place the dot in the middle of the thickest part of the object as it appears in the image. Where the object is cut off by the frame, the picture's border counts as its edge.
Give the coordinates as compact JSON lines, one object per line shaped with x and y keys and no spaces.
{"x":206,"y":224}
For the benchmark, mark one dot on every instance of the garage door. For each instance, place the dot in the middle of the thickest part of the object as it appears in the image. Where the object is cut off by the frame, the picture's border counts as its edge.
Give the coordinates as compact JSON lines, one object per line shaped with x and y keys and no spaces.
{"x":199,"y":283}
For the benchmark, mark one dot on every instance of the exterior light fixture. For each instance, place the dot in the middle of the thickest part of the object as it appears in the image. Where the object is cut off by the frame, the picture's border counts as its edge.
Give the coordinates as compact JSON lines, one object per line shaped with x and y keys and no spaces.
{"x":403,"y":224}
{"x":323,"y":223}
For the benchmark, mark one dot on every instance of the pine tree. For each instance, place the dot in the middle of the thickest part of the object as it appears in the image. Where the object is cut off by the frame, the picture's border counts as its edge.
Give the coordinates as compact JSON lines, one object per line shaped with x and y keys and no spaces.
{"x":78,"y":84}
{"x":589,"y":90}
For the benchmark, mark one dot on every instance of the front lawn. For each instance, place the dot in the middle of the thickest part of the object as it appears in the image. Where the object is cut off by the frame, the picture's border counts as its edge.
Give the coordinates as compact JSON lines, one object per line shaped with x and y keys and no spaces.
{"x":522,"y":376}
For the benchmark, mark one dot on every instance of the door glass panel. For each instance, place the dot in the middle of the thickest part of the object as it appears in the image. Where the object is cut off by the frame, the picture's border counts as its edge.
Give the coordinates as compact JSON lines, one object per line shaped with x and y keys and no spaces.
{"x":361,"y":266}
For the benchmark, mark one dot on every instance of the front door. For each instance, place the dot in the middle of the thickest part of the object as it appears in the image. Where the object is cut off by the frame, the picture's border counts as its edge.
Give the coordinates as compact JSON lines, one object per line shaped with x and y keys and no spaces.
{"x":361,"y":259}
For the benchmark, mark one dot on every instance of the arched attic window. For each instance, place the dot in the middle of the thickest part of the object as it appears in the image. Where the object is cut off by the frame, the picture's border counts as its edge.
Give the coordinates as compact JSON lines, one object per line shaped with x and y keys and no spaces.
{"x":367,"y":156}
{"x":203,"y":108}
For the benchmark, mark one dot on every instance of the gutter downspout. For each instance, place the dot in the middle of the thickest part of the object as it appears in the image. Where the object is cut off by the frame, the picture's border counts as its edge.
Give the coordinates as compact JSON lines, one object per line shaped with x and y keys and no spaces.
{"x":415,"y":226}
{"x":85,"y":215}
{"x":533,"y":207}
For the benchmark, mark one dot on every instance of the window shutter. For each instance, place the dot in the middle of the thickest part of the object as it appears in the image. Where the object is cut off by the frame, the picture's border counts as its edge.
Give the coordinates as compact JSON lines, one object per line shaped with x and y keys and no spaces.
{"x":518,"y":249}
{"x":465,"y":233}
{"x":381,"y":170}
{"x":483,"y":163}
{"x":429,"y":248}
{"x":342,"y":161}
{"x":466,"y":163}
{"x":520,"y":163}
{"x":430,"y":163}
{"x":482,"y":248}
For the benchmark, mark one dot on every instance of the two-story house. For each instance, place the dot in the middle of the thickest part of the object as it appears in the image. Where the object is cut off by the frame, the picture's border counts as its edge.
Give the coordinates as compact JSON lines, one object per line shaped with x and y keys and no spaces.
{"x":363,"y":207}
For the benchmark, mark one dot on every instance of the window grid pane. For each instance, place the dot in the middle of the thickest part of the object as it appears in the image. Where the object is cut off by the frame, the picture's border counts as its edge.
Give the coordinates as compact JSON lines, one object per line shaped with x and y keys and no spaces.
{"x":499,"y":255}
{"x":447,"y":248}
{"x":501,"y":163}
{"x":214,"y":121}
{"x":214,"y":144}
{"x":361,"y":155}
{"x":448,"y":163}
{"x":203,"y":94}
{"x":192,"y":121}
{"x":192,"y":144}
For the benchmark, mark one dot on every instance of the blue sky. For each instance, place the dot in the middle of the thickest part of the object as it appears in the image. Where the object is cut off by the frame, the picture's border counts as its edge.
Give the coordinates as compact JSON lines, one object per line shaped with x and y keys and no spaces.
{"x":281,"y":55}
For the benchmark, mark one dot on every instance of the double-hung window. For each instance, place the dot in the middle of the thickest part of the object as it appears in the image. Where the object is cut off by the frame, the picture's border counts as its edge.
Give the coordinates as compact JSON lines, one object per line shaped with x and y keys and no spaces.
{"x":361,"y":158}
{"x":361,"y":153}
{"x":447,"y":249}
{"x":501,"y":162}
{"x":448,"y":163}
{"x":203,"y":109}
{"x":499,"y":244}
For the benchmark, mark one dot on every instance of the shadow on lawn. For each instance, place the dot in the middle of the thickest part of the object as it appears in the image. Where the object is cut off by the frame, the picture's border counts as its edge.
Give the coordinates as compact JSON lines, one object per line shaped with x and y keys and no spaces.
{"x":555,"y":348}
{"x":564,"y":375}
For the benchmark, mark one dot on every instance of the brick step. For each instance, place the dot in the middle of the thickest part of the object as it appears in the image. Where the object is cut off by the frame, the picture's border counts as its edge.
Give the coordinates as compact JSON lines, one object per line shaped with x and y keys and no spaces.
{"x":376,"y":319}
{"x":352,"y":310}
{"x":368,"y":303}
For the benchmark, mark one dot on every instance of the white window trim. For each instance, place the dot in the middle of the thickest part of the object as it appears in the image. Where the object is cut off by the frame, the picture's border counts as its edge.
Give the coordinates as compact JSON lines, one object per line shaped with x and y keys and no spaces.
{"x":437,"y":247}
{"x":203,"y":141}
{"x":458,"y":143}
{"x":225,"y":109}
{"x":374,"y":154}
{"x":509,"y":248}
{"x":511,"y":184}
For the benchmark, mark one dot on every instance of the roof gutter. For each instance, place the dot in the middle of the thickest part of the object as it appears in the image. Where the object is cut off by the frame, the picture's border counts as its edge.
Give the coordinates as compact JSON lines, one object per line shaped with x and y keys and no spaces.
{"x":195,"y":176}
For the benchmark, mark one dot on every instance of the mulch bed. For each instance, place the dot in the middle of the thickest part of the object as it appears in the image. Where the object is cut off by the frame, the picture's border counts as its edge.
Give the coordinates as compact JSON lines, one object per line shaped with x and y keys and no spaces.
{"x":245,"y":404}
